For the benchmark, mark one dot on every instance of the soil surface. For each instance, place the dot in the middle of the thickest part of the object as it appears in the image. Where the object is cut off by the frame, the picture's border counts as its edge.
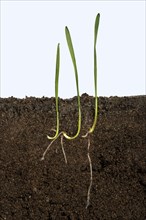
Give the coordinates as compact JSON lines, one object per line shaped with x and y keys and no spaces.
{"x":32,"y":189}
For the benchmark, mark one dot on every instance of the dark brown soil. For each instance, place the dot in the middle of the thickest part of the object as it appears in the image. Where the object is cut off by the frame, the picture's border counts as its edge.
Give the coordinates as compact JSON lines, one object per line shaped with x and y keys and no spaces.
{"x":41,"y":190}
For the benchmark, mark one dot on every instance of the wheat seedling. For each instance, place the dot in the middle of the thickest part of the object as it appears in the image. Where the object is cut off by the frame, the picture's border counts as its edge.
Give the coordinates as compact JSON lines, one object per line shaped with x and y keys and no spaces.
{"x":57,"y":134}
{"x":91,"y":130}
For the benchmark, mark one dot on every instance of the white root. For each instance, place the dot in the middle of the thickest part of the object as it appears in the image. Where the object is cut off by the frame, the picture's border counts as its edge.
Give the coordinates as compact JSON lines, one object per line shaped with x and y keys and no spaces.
{"x":65,"y":158}
{"x":63,"y":149}
{"x":43,"y":157}
{"x":91,"y":175}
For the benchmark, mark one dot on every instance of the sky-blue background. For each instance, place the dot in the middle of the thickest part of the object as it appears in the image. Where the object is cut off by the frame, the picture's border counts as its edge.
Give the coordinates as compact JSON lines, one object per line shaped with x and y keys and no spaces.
{"x":30,"y":31}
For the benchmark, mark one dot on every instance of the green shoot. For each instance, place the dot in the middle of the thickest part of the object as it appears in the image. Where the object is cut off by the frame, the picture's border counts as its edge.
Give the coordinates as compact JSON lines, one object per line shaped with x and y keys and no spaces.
{"x":95,"y":72}
{"x":70,"y":46}
{"x":95,"y":75}
{"x":56,"y":93}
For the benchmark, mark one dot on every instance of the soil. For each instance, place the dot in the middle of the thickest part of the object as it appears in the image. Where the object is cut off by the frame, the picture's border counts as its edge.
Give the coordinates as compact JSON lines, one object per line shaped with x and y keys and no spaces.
{"x":32,"y":189}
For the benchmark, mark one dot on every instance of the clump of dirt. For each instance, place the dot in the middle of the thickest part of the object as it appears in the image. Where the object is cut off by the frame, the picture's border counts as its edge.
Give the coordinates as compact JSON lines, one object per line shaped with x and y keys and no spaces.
{"x":32,"y":189}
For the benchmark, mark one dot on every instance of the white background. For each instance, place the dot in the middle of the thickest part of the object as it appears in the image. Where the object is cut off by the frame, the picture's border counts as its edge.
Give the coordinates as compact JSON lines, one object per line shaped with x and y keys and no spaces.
{"x":30,"y":31}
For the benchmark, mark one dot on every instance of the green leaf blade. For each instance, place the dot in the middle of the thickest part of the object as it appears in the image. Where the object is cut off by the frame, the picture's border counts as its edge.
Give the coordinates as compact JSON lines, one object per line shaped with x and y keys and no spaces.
{"x":72,"y":54}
